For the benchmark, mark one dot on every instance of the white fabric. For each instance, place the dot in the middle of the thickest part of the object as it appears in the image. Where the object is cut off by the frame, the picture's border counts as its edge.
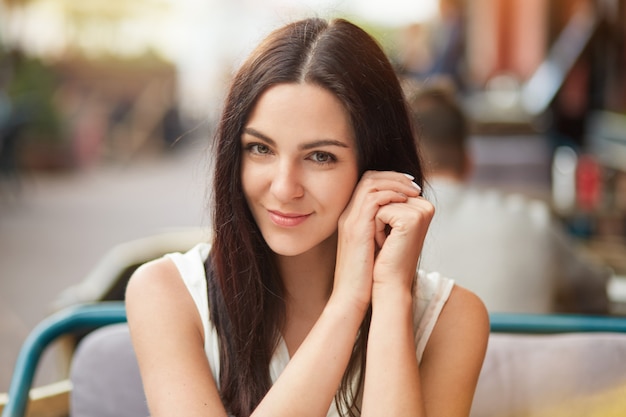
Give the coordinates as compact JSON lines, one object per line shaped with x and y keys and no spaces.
{"x":507,"y":250}
{"x":431,"y":293}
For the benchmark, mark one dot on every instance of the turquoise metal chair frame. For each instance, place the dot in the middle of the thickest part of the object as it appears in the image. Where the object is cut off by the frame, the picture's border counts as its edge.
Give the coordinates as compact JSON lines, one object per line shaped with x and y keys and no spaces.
{"x":68,"y":320}
{"x":555,"y":323}
{"x":91,"y":316}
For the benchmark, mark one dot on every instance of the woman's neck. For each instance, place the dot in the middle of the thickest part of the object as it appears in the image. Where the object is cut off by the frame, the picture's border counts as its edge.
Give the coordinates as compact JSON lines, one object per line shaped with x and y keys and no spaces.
{"x":308,"y":281}
{"x":308,"y":277}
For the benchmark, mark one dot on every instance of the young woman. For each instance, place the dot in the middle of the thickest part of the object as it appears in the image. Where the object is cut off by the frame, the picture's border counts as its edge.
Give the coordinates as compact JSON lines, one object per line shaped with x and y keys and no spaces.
{"x":308,"y":301}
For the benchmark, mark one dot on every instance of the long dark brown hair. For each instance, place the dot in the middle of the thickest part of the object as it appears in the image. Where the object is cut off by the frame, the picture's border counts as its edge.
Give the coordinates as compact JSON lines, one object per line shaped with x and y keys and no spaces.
{"x":246,"y":294}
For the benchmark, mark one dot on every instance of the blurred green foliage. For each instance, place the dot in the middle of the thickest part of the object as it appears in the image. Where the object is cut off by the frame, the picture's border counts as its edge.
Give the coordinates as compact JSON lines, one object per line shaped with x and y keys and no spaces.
{"x":31,"y":88}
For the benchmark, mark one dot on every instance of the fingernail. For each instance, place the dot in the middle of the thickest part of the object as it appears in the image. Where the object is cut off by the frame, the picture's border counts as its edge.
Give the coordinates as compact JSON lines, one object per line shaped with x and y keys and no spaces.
{"x":416,"y":186}
{"x":409,"y":176}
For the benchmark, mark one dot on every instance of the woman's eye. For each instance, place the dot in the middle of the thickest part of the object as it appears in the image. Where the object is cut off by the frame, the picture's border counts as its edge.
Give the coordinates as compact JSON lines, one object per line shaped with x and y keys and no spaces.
{"x":258,"y":148}
{"x":323,"y":157}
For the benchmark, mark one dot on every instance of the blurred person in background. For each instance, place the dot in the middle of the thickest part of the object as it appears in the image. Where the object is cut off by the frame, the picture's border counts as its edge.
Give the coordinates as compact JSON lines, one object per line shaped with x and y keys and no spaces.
{"x":505,"y":247}
{"x":307,"y":302}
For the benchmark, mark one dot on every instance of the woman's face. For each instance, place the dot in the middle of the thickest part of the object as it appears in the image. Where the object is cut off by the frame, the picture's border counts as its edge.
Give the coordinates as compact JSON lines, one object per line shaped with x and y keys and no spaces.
{"x":299,"y":166}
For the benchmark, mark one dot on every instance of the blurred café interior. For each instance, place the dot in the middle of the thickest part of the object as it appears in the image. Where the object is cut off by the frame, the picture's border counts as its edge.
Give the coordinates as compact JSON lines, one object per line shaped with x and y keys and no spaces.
{"x":543,"y":82}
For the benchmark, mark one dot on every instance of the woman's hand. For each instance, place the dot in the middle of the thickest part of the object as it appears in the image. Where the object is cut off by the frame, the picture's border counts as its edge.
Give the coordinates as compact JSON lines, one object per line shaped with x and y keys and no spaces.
{"x":362,"y":225}
{"x":401,"y":230}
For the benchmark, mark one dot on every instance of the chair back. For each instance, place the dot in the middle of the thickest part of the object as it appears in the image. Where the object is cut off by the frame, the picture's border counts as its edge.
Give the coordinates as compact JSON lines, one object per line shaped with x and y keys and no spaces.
{"x":105,"y":376}
{"x":553,"y":365}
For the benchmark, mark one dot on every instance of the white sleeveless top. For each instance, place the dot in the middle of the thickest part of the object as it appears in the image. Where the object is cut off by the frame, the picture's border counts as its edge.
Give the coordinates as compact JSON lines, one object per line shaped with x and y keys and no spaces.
{"x":431,"y":293}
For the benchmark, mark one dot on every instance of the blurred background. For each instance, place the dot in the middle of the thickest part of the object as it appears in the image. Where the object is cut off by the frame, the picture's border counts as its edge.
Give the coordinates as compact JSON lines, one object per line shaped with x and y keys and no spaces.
{"x":106,"y":107}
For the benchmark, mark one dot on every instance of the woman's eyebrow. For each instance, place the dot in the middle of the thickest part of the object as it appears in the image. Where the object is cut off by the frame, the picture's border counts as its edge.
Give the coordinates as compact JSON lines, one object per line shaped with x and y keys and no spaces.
{"x":256,"y":133}
{"x":323,"y":142}
{"x":305,"y":146}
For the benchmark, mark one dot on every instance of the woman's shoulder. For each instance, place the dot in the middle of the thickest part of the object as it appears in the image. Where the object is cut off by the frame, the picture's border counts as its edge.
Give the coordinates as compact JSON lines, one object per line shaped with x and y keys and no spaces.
{"x":440,"y":304}
{"x":465,"y":316}
{"x":464,"y":302}
{"x":170,"y":272}
{"x":461,"y":332}
{"x":157,"y":280}
{"x":170,"y":289}
{"x":158,"y":304}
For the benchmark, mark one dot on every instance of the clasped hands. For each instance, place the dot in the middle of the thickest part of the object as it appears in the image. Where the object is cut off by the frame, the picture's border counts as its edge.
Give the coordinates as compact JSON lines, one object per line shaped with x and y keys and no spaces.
{"x":380,"y":236}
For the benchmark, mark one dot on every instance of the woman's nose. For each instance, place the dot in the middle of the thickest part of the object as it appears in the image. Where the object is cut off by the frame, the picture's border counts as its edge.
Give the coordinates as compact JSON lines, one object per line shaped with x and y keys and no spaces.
{"x":286,"y":183}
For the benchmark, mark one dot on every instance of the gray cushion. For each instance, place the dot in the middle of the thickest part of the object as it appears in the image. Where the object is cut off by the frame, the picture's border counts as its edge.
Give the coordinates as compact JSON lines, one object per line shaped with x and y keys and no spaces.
{"x":105,"y":376}
{"x":573,"y":374}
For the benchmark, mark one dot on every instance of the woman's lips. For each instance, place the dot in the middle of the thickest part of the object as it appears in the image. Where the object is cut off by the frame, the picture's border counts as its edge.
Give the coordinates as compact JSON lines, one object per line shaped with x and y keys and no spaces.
{"x":287,"y":219}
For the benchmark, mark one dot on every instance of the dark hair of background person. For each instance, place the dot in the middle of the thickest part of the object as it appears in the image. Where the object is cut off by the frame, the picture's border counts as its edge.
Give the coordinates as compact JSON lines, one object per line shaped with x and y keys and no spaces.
{"x":442,"y":130}
{"x":246,"y":295}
